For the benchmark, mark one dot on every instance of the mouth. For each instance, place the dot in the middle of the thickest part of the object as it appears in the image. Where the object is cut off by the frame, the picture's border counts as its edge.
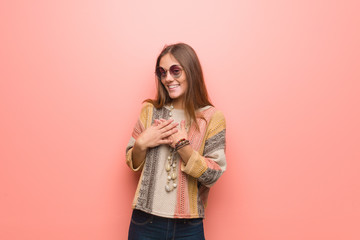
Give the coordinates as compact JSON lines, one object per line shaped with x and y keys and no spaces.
{"x":173,"y":86}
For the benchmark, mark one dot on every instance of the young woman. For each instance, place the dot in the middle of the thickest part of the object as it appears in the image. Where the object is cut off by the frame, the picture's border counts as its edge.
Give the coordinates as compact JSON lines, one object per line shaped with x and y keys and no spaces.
{"x":178,"y":144}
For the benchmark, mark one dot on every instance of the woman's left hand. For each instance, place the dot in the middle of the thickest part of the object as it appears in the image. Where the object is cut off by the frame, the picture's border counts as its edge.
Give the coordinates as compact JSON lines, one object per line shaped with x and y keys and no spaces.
{"x":180,"y":134}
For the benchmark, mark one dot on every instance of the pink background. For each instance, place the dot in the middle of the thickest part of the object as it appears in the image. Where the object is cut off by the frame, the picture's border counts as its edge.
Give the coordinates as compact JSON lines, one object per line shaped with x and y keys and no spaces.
{"x":286,"y":75}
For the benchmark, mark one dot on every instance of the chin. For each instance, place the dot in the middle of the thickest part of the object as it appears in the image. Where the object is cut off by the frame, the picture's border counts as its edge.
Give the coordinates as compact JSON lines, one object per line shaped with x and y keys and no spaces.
{"x":174,"y":97}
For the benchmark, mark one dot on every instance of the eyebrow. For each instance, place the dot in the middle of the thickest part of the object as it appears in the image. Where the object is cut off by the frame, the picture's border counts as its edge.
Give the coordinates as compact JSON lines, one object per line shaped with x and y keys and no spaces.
{"x":171,"y":66}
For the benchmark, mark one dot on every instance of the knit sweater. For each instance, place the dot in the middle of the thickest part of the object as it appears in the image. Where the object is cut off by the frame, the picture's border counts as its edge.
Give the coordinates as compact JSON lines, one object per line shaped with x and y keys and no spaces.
{"x":204,"y":167}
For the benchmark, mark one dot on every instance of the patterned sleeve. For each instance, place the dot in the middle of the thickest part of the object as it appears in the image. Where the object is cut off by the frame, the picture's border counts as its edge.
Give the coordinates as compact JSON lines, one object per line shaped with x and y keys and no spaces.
{"x":209,"y":167}
{"x":142,"y":123}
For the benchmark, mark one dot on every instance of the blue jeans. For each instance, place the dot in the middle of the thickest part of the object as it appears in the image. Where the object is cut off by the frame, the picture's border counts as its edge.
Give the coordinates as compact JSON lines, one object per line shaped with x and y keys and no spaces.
{"x":146,"y":226}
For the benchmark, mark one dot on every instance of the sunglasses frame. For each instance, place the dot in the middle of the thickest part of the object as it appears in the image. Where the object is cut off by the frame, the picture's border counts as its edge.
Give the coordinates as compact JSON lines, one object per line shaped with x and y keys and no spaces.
{"x":165,"y":73}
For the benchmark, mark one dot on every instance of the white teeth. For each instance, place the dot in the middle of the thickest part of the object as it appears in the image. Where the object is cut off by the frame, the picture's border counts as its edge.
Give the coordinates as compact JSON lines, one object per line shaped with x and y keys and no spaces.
{"x":173,"y":86}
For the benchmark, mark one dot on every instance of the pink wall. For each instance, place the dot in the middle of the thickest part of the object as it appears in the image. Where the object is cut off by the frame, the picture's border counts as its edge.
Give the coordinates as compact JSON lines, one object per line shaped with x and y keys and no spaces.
{"x":285,"y":73}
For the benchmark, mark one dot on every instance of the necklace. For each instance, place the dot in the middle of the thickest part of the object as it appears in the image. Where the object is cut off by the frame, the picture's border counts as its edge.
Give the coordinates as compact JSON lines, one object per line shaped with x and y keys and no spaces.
{"x":170,"y":166}
{"x":171,"y":172}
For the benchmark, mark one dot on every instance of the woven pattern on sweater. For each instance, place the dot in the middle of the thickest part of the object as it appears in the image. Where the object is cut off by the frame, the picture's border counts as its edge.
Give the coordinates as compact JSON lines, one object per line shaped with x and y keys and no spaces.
{"x":205,"y":166}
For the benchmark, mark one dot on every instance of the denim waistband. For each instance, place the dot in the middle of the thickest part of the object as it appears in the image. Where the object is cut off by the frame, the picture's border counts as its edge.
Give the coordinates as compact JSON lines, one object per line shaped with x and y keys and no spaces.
{"x":165,"y":219}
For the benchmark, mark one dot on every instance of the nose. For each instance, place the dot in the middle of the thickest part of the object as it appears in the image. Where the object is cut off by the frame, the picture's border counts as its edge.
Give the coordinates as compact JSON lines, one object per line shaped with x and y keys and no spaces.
{"x":168,"y":77}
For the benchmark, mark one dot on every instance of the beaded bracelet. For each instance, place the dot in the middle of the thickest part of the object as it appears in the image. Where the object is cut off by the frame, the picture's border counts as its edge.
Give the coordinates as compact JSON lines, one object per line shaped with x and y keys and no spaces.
{"x":179,"y":142}
{"x":182,"y":144}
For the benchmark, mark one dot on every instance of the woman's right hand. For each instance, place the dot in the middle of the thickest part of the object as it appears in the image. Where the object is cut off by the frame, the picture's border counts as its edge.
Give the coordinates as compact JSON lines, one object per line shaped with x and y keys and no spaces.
{"x":158,"y":133}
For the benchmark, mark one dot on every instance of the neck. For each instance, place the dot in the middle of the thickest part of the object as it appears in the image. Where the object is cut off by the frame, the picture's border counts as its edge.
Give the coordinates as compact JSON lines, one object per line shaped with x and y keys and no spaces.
{"x":178,"y":104}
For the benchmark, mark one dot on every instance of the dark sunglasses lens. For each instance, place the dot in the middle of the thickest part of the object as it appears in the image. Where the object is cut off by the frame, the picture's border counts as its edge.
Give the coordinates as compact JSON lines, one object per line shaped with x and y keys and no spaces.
{"x":160,"y":72}
{"x":175,"y":71}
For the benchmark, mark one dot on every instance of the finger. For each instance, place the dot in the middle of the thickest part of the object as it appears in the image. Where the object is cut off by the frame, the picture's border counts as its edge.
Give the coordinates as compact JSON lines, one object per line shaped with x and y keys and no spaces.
{"x":164,"y":123}
{"x":161,"y":120}
{"x":156,"y":122}
{"x":165,"y":141}
{"x":169,"y":127}
{"x":169,"y":133}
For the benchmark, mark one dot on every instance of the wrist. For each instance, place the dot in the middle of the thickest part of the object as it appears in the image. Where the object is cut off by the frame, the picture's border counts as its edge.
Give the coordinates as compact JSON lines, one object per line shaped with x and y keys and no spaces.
{"x":140,"y":145}
{"x":181,"y":143}
{"x":185,"y":153}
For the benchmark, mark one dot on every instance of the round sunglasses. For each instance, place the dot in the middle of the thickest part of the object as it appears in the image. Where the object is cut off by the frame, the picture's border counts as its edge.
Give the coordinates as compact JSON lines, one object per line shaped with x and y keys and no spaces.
{"x":175,"y":72}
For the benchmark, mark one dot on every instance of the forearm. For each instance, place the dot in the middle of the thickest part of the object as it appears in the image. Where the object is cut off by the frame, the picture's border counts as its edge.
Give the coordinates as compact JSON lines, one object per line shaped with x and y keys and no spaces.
{"x":138,"y":154}
{"x":185,"y":153}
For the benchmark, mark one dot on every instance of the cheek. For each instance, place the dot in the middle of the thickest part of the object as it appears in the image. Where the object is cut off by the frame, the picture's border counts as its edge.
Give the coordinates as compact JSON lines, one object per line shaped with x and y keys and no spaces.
{"x":162,"y":83}
{"x":184,"y":83}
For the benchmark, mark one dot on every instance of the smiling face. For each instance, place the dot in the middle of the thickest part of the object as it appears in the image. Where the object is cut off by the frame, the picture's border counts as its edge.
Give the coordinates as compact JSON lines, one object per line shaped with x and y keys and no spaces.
{"x":175,"y":84}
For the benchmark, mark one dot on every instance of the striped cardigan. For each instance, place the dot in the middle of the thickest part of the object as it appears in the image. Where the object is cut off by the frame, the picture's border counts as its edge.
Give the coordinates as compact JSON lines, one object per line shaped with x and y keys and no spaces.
{"x":206,"y":164}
